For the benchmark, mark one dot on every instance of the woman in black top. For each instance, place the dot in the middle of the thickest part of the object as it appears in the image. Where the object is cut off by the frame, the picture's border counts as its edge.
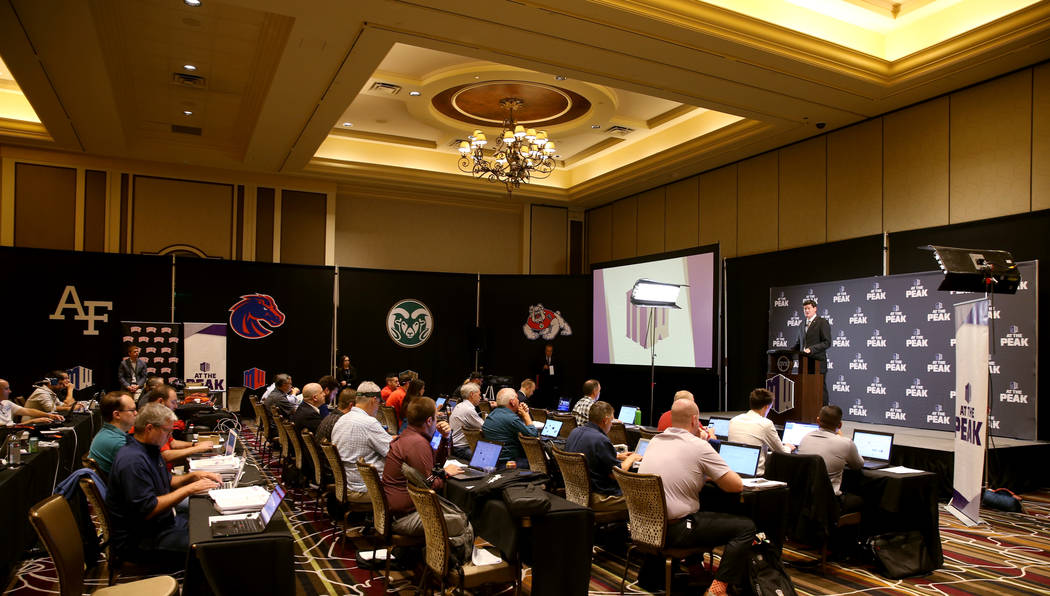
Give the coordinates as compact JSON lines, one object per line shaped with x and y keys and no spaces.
{"x":346,"y":373}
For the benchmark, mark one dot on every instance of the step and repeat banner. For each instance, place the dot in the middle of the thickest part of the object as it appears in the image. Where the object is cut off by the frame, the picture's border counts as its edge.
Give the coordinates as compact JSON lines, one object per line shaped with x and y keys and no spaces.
{"x":892,"y":356}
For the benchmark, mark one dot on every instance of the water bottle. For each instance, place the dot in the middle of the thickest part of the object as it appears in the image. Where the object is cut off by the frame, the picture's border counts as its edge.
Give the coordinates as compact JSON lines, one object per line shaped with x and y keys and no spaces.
{"x":638,"y":417}
{"x":14,"y":453}
{"x":193,"y":433}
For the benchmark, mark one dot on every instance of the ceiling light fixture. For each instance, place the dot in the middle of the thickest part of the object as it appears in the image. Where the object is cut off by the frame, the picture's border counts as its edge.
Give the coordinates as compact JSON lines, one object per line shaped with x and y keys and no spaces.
{"x":189,"y":67}
{"x":414,"y":93}
{"x":187,"y":112}
{"x":193,"y":3}
{"x":518,"y":155}
{"x":347,"y":124}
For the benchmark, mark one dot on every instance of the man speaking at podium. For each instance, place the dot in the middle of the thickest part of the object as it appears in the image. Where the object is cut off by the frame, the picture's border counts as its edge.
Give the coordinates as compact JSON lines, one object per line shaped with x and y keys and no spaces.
{"x":814,"y":338}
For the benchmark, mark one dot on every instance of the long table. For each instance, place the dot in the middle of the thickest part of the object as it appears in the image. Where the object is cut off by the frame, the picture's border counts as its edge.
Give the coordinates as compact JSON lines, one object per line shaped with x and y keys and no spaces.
{"x":249,"y":564}
{"x":556,"y":545}
{"x":898,"y":502}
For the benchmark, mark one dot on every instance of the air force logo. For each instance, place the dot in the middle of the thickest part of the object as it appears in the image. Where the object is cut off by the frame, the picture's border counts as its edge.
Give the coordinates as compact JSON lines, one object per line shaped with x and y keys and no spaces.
{"x":545,"y":323}
{"x":255,"y":316}
{"x":409,"y":323}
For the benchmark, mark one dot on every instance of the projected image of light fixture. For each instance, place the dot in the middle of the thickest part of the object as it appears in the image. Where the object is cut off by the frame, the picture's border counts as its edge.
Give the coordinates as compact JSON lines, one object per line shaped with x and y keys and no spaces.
{"x":656,"y":294}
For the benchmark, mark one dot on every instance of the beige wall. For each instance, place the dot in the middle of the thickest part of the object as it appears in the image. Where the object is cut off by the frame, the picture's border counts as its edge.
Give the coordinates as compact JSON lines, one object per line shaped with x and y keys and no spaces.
{"x":977,"y":153}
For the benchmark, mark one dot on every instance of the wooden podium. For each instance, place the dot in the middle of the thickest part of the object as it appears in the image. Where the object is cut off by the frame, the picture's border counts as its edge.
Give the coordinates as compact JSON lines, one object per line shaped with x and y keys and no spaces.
{"x":809,"y":386}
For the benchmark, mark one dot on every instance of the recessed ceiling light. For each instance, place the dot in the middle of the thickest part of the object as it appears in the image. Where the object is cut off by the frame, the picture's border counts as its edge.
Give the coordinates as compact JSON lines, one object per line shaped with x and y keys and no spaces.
{"x":189,"y":67}
{"x":347,"y":124}
{"x":559,"y":77}
{"x":187,"y":112}
{"x":557,"y":157}
{"x":193,"y":3}
{"x":596,"y":126}
{"x":414,"y":93}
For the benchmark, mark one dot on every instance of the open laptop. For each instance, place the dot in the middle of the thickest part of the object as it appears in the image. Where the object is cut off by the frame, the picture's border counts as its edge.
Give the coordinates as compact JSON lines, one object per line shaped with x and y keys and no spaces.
{"x":794,"y":431}
{"x":874,"y":447}
{"x":486,"y":456}
{"x":720,"y":426}
{"x":551,"y":429}
{"x":643,"y":444}
{"x":627,"y":414}
{"x":563,"y":405}
{"x":247,"y":523}
{"x":742,"y":459}
{"x":231,"y":443}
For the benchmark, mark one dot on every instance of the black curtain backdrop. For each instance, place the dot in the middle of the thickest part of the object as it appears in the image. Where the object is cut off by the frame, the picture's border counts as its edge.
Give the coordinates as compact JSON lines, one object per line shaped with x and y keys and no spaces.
{"x":1023,"y":235}
{"x":35,"y":280}
{"x":748,"y":280}
{"x":365,"y":299}
{"x":206,"y":289}
{"x":505,"y":307}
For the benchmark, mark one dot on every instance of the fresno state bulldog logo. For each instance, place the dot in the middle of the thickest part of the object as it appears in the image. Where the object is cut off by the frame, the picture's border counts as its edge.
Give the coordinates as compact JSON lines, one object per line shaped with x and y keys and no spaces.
{"x":409,"y":323}
{"x":545,"y":323}
{"x":254,"y":315}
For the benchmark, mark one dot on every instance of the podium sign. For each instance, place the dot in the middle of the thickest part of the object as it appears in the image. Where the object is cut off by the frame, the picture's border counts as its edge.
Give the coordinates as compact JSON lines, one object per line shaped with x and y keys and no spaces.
{"x":783,"y":390}
{"x":971,"y":408}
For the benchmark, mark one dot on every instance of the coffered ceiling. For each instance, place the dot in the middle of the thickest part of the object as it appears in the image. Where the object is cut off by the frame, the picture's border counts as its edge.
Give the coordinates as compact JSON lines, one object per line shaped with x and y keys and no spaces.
{"x":376,"y":94}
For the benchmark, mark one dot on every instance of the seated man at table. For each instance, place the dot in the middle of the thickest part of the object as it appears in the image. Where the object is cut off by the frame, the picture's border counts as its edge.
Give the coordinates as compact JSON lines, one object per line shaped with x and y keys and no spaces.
{"x":398,"y":395}
{"x":665,"y":419}
{"x":358,"y":435}
{"x":528,"y":387}
{"x":153,"y":382}
{"x":118,"y":416}
{"x":412,"y":447}
{"x":753,"y":428}
{"x":505,"y":423}
{"x":837,"y":451}
{"x":591,"y":390}
{"x":308,"y":414}
{"x":174,"y":451}
{"x":9,"y":410}
{"x":54,"y":395}
{"x":142,"y":494}
{"x":343,"y":404}
{"x":283,"y":397}
{"x":391,"y":385}
{"x":684,"y":461}
{"x":465,"y":416}
{"x":593,"y":442}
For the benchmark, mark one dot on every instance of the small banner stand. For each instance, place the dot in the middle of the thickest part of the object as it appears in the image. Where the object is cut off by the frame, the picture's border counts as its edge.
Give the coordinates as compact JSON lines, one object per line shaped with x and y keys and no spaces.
{"x":971,"y":409}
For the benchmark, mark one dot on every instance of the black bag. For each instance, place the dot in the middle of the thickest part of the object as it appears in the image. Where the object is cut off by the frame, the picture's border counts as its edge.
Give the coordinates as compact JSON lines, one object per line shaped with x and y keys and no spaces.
{"x":765,"y":572}
{"x":901,"y":554}
{"x":527,"y":499}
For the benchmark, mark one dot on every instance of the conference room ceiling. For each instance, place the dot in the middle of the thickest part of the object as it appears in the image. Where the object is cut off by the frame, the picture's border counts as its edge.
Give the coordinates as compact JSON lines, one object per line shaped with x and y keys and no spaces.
{"x":291,"y":87}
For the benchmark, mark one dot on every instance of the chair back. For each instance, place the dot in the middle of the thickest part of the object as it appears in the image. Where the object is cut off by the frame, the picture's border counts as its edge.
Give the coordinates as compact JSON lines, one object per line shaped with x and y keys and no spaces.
{"x":813,"y":509}
{"x":434,"y":528}
{"x":387,"y":418}
{"x":380,"y":510}
{"x":533,"y":448}
{"x":618,"y":433}
{"x":53,"y":521}
{"x":485,"y":406}
{"x":282,"y":436}
{"x":538,"y":414}
{"x":311,"y":448}
{"x":90,"y":463}
{"x":473,"y":436}
{"x":338,"y":474}
{"x":262,"y":421}
{"x":646,"y":434}
{"x":98,"y":505}
{"x":573,"y":468}
{"x":646,"y":507}
{"x":234,"y":397}
{"x":293,"y":440}
{"x":568,"y":424}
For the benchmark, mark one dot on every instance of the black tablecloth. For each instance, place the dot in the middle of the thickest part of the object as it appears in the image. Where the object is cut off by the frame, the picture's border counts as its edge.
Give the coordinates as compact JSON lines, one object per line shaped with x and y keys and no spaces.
{"x":557,"y":545}
{"x":896,"y":502}
{"x":767,"y":508}
{"x":251,"y":564}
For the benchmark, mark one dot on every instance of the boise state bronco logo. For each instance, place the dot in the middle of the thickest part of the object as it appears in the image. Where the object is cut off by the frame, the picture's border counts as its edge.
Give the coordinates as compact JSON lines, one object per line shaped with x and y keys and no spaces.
{"x":254,"y":315}
{"x":409,"y":323}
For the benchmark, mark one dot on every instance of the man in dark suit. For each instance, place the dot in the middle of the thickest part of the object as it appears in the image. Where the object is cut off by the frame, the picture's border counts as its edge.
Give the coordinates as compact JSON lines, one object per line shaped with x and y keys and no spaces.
{"x":132,"y":370}
{"x":308,"y":414}
{"x":548,"y":378}
{"x":814,"y":338}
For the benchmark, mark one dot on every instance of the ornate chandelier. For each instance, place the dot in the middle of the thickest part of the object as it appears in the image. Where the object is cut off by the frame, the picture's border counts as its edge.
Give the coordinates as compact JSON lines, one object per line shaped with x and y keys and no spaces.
{"x":517,"y":156}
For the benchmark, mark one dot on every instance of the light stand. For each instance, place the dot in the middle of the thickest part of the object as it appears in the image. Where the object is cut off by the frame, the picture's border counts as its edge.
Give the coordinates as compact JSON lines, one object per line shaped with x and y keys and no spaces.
{"x":653,"y":295}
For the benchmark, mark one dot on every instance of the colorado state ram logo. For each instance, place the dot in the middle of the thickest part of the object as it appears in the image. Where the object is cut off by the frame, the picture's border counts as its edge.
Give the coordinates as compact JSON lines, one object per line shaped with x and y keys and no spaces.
{"x":254,"y":315}
{"x":409,"y":323}
{"x":545,"y":323}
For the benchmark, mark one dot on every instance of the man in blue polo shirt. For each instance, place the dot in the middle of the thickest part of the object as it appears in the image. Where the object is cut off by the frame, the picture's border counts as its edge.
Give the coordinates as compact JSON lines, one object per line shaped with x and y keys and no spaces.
{"x":505,"y":422}
{"x":142,"y":494}
{"x":592,"y":440}
{"x":118,"y":412}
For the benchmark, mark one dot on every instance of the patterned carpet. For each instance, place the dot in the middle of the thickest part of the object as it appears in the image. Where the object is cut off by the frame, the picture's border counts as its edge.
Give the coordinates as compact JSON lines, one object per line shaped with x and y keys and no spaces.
{"x":1010,"y":554}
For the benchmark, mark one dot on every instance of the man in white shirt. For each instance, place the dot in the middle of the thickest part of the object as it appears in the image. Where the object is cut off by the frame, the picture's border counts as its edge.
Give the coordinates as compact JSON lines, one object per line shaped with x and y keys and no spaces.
{"x":357,"y":434}
{"x":753,"y":428}
{"x":837,"y":451}
{"x":465,"y":416}
{"x":684,"y":461}
{"x":9,"y":410}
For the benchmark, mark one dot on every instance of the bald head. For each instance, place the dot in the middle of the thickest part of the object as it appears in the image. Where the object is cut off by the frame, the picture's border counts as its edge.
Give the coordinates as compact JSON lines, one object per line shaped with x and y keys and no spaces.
{"x":683,"y":412}
{"x":683,"y":394}
{"x":313,"y":393}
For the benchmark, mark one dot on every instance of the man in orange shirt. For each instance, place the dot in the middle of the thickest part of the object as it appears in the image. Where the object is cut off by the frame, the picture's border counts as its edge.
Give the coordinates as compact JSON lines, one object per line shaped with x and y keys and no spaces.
{"x":391,"y":386}
{"x":396,"y":396}
{"x":665,"y":419}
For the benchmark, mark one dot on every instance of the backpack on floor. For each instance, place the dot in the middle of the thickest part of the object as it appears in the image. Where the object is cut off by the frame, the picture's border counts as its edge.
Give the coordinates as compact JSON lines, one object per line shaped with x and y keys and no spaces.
{"x":765,"y":572}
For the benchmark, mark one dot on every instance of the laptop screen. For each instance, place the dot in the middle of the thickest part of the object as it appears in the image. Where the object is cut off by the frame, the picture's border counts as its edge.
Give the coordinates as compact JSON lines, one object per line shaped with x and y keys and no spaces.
{"x":486,"y":455}
{"x":551,"y":428}
{"x":873,"y":445}
{"x":742,"y":459}
{"x":721,"y":426}
{"x":643,"y":444}
{"x":794,"y":431}
{"x":627,"y":414}
{"x":563,"y":405}
{"x":231,"y":443}
{"x":272,"y":504}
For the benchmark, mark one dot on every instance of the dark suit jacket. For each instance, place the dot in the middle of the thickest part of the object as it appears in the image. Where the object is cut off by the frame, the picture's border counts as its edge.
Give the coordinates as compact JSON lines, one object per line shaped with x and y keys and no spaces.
{"x":306,"y":417}
{"x":131,"y":373}
{"x":817,"y":338}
